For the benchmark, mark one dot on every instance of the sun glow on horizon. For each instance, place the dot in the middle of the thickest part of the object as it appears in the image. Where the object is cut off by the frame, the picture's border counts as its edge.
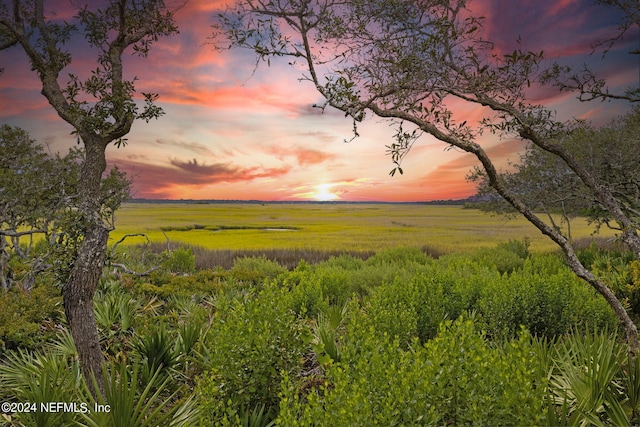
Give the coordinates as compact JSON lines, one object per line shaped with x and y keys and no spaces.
{"x":324,"y":193}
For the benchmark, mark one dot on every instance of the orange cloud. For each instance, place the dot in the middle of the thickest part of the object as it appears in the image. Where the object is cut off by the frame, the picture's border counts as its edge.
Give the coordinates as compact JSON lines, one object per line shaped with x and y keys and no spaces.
{"x":303,"y":156}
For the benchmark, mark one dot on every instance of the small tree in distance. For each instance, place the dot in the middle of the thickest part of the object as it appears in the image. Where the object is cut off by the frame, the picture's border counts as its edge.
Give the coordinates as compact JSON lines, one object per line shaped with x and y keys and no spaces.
{"x":407,"y":61}
{"x":101,"y":109}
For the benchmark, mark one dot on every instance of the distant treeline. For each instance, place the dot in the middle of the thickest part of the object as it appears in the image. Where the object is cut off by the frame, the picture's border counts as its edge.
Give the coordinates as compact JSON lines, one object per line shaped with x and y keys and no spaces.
{"x":448,"y":202}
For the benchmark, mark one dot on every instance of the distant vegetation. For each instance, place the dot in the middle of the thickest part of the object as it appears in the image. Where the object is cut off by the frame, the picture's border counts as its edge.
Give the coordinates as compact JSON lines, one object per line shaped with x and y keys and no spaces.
{"x":327,"y":227}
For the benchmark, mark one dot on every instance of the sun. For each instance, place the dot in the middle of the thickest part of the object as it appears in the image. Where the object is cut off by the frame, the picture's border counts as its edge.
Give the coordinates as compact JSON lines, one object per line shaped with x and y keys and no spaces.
{"x":324,"y":194}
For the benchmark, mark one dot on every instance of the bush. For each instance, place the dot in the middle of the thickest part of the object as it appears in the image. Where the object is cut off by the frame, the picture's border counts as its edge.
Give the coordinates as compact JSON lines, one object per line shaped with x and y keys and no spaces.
{"x":545,"y":297}
{"x":344,"y":261}
{"x":334,"y":283}
{"x":306,"y":296}
{"x":35,"y":378}
{"x":408,"y":309}
{"x":204,"y":282}
{"x":500,"y":258}
{"x":255,"y":270}
{"x":455,"y":379}
{"x":400,"y":257}
{"x":592,"y":380}
{"x":181,"y":260}
{"x":136,"y":402}
{"x":251,"y":344}
{"x":29,"y":319}
{"x":517,"y":247}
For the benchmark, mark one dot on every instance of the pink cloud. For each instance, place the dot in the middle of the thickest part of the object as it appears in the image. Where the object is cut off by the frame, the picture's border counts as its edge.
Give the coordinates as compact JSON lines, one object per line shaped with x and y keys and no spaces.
{"x":149,"y":180}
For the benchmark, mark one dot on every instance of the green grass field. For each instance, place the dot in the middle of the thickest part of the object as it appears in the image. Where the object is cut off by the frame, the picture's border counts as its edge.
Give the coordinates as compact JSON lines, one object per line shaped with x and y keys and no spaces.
{"x":349,"y":227}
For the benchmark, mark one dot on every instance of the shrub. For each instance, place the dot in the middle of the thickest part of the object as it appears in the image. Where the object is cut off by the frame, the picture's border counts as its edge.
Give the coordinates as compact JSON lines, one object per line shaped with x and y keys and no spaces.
{"x":545,"y":297}
{"x":203,"y":282}
{"x":36,"y":378}
{"x":517,"y":247}
{"x":133,"y":403}
{"x":28,"y":319}
{"x":158,"y":351}
{"x":334,"y":282}
{"x":592,"y":381}
{"x":115,"y":311}
{"x":400,"y":257}
{"x":306,"y":296}
{"x":482,"y":383}
{"x":251,"y":343}
{"x":408,"y":309}
{"x":455,"y":379}
{"x":344,"y":261}
{"x":255,"y":270}
{"x":621,"y":273}
{"x":181,"y":260}
{"x":340,"y":278}
{"x":500,"y":258}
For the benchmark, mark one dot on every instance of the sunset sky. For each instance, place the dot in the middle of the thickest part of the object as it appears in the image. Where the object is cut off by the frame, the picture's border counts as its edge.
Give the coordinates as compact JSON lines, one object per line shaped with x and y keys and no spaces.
{"x":230,"y":133}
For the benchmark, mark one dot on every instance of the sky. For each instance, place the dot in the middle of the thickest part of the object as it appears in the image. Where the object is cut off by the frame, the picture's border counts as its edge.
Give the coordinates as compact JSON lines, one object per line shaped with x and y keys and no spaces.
{"x":231,"y":132}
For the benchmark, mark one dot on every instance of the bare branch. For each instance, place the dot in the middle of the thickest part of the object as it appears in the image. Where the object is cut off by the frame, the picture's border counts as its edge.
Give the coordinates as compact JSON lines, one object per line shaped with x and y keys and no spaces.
{"x":13,"y":233}
{"x":135,"y":273}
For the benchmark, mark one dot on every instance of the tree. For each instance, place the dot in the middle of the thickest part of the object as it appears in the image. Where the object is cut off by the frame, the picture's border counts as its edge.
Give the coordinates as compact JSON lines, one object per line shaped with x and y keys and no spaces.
{"x":547,"y":184}
{"x":27,"y":185}
{"x":407,"y":61}
{"x":40,"y":196}
{"x":101,"y":109}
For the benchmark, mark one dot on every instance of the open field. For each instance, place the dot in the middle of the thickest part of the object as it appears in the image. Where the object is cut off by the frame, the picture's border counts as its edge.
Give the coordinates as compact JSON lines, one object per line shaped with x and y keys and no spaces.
{"x":349,"y":227}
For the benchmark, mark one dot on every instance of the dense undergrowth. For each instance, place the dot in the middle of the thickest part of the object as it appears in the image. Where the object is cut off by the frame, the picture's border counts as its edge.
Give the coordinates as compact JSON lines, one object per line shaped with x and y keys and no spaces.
{"x":497,"y":336}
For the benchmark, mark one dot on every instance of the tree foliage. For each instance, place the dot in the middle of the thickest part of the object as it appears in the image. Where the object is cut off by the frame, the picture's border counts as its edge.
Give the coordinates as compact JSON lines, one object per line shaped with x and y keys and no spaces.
{"x":547,"y":184}
{"x":31,"y":182}
{"x":101,"y":107}
{"x":411,"y":62}
{"x":40,"y":197}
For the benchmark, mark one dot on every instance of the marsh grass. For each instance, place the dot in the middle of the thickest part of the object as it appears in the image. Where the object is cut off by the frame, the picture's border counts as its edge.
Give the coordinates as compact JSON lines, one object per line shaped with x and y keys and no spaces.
{"x":286,"y":257}
{"x":327,"y":228}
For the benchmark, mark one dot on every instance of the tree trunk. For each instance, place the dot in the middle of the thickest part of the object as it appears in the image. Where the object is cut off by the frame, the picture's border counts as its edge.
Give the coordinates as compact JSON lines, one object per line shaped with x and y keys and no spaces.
{"x":88,"y":265}
{"x":78,"y":303}
{"x":4,"y":262}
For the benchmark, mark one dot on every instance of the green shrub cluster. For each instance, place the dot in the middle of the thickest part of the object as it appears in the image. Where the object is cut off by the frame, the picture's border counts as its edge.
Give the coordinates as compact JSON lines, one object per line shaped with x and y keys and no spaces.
{"x":255,"y":270}
{"x":457,"y":378}
{"x":28,"y":319}
{"x":546,"y":297}
{"x":180,"y":260}
{"x":619,"y":270}
{"x":166,"y":285}
{"x":409,"y":294}
{"x":336,"y":280}
{"x":252,"y":342}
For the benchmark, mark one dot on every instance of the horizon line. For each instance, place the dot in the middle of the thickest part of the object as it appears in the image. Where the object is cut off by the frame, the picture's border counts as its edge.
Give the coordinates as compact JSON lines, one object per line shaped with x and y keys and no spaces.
{"x":325,"y":202}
